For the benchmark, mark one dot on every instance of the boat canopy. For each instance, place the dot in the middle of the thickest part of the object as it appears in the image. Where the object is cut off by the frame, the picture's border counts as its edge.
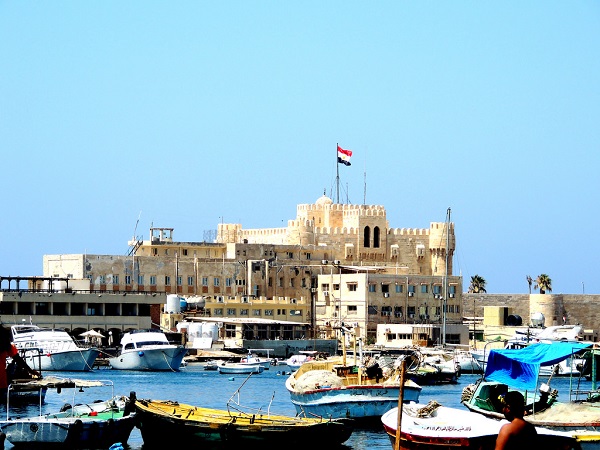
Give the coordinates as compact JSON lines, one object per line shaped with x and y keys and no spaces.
{"x":519,"y":368}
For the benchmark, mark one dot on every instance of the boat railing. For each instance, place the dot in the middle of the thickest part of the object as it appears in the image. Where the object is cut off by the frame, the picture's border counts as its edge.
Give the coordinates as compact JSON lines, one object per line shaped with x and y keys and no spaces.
{"x":234,"y":402}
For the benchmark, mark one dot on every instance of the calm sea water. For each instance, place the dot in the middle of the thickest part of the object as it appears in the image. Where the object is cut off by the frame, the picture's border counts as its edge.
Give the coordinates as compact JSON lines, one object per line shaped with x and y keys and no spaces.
{"x":196,"y":386}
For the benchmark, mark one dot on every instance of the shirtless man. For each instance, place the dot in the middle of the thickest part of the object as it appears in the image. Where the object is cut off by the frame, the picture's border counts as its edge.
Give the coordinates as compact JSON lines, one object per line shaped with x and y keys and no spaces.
{"x":518,"y":434}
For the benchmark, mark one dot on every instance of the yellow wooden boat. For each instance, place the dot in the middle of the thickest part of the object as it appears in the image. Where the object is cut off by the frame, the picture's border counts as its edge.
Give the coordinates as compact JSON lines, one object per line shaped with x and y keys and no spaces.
{"x":161,"y":422}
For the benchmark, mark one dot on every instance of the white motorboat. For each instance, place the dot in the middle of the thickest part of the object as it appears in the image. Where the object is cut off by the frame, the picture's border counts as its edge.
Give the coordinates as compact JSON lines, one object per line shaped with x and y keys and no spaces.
{"x":295,"y":361}
{"x":254,"y":358}
{"x":147,"y":350}
{"x":240,"y":368}
{"x":52,"y":349}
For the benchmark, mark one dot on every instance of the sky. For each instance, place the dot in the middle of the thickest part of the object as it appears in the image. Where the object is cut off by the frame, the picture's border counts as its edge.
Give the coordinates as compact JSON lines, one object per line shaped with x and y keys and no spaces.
{"x":119,"y":116}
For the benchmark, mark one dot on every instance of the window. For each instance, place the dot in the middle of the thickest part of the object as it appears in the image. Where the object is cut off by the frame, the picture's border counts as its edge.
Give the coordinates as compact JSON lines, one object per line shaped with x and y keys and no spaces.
{"x":308,"y":255}
{"x":372,"y":288}
{"x":372,"y":310}
{"x":325,"y":287}
{"x":167,"y":280}
{"x":367,"y":237}
{"x":228,"y":282}
{"x":243,"y":312}
{"x":127,"y":279}
{"x":282,"y":312}
{"x":102,"y":279}
{"x":152,"y":280}
{"x":352,"y":287}
{"x":218,"y":311}
{"x":411,"y":288}
{"x":385,"y":288}
{"x":397,"y":311}
{"x":290,"y":255}
{"x":190,"y":281}
{"x":386,"y":311}
{"x":295,"y":312}
{"x":216,"y":281}
{"x":154,"y":251}
{"x":411,"y":311}
{"x":256,"y":312}
{"x":179,"y":282}
{"x":231,"y":311}
{"x":437,"y":289}
{"x":115,"y":279}
{"x":184,"y":252}
{"x":399,"y":288}
{"x":140,"y":280}
{"x":352,"y":309}
{"x":268,"y":312}
{"x":424,"y":289}
{"x":376,"y":237}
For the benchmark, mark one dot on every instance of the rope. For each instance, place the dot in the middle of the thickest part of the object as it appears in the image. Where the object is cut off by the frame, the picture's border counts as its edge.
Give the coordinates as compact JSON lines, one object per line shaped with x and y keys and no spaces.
{"x":467,"y":393}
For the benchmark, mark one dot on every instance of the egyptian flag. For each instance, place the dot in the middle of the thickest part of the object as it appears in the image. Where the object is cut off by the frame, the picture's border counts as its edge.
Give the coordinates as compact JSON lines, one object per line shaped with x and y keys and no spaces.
{"x":344,"y":156}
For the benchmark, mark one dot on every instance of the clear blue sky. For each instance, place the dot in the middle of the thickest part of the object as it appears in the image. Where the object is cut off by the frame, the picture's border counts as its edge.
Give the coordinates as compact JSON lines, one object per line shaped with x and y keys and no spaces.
{"x":188,"y":113}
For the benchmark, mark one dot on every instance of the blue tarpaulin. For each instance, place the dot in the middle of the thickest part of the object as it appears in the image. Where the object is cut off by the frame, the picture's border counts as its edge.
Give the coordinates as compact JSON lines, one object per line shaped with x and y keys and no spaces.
{"x":519,"y":368}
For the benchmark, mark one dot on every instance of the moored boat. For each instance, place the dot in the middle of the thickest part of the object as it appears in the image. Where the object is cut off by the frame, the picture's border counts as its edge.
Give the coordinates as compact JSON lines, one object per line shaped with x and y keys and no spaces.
{"x":337,"y":390}
{"x":52,"y":349}
{"x":92,"y":425}
{"x":240,"y":368}
{"x":160,"y":421}
{"x":148,"y":350}
{"x":433,"y":426}
{"x":519,"y":370}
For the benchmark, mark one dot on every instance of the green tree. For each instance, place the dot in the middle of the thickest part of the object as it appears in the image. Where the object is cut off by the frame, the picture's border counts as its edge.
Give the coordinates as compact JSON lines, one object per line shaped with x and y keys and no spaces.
{"x":529,"y":282}
{"x":477,"y":285}
{"x":543,"y":283}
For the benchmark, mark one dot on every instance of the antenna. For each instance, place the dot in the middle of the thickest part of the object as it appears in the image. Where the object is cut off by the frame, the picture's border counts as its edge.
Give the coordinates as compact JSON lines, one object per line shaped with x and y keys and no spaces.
{"x":136,"y":225}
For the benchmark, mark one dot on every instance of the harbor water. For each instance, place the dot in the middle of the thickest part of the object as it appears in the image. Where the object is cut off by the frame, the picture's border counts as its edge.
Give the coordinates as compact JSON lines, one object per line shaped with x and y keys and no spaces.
{"x":196,"y":386}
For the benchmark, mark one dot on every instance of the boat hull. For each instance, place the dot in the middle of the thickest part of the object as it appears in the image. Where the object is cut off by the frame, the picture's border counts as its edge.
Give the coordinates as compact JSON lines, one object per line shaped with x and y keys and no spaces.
{"x":351,"y":402}
{"x":159,"y":421}
{"x":443,"y":428}
{"x":72,"y":361}
{"x":152,"y":359}
{"x":240,"y":368}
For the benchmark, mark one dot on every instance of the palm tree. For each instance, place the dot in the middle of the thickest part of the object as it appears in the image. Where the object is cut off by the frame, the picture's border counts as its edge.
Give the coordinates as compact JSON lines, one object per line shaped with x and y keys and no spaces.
{"x":477,"y":285}
{"x":529,"y":282}
{"x":544,"y":283}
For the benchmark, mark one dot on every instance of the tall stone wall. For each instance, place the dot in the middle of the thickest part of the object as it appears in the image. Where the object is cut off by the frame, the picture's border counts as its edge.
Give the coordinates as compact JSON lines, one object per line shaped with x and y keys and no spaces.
{"x":576,"y":308}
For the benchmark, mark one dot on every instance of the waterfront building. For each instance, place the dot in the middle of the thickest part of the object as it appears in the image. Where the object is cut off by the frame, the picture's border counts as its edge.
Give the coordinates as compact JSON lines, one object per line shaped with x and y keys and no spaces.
{"x":330,"y":256}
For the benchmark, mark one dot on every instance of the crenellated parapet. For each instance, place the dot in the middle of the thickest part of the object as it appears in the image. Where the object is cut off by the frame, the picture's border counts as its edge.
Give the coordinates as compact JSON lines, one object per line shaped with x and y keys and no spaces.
{"x":408,"y":232}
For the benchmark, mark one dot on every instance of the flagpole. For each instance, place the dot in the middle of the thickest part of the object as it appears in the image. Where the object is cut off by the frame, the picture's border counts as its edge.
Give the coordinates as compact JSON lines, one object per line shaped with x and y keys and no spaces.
{"x":337,"y":178}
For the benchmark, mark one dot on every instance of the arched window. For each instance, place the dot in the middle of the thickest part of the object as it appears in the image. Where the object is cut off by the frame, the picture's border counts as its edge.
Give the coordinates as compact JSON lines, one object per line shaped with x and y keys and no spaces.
{"x":367,"y":237}
{"x":376,"y":237}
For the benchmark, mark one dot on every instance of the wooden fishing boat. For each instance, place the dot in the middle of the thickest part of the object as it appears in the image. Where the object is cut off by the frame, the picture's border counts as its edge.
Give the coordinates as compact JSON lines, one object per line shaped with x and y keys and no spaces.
{"x":435,"y":427}
{"x":96,"y":425}
{"x":341,"y":391}
{"x":519,"y":369}
{"x":160,"y":420}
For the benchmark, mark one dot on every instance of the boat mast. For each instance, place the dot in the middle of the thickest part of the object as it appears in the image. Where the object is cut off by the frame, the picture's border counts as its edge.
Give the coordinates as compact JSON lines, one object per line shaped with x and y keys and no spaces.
{"x":445,"y":302}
